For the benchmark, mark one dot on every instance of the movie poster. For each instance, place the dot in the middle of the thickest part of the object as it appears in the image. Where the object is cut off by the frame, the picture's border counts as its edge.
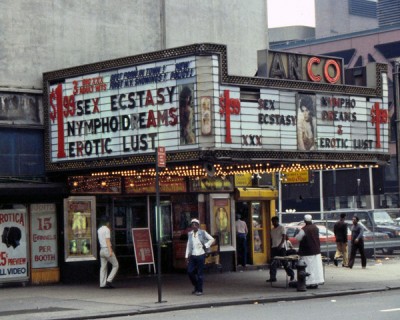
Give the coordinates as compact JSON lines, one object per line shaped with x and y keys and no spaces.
{"x":221,"y":224}
{"x":80,"y":228}
{"x":13,"y":246}
{"x":44,"y":253}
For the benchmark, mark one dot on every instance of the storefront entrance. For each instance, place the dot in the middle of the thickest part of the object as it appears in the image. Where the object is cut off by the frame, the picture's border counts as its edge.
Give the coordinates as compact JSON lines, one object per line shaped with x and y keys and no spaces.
{"x":140,"y":212}
{"x":256,"y":214}
{"x":127,"y":214}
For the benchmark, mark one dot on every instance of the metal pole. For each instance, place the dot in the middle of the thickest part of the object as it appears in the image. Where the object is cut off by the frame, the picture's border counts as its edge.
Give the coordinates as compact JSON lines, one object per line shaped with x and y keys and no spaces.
{"x":158,"y":232}
{"x":321,"y":194}
{"x":334,"y":189}
{"x":396,"y":91}
{"x":371,"y":188}
{"x":280,"y":196}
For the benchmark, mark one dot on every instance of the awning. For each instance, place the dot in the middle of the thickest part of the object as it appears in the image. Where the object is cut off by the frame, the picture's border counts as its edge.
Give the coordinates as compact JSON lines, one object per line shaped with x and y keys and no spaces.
{"x":256,"y":194}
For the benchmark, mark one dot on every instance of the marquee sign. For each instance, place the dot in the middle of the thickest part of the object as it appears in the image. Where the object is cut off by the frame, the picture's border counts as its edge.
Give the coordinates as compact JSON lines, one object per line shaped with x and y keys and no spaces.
{"x":284,"y":120}
{"x":122,"y":112}
{"x":118,"y":113}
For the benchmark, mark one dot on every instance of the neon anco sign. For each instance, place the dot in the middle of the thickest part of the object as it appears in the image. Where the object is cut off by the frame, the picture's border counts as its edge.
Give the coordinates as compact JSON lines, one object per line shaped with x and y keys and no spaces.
{"x":292,"y":66}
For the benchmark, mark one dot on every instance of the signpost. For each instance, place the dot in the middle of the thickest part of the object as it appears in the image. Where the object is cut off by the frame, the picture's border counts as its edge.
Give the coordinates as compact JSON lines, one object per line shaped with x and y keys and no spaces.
{"x":160,"y":162}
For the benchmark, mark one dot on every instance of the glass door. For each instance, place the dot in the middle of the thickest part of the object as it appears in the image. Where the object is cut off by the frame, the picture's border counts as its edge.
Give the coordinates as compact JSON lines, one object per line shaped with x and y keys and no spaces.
{"x":258,"y":230}
{"x":255,"y":216}
{"x":127,"y":214}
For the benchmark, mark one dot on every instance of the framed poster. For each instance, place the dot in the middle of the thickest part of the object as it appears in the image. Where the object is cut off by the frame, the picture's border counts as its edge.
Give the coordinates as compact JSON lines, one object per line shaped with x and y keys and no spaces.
{"x":80,"y":242}
{"x":13,"y":246}
{"x":206,"y":115}
{"x":221,"y":220}
{"x":143,"y":247}
{"x":44,"y":252}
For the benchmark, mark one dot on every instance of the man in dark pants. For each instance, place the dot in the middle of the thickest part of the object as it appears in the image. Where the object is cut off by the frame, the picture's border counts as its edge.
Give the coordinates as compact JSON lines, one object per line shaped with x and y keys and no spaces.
{"x":278,"y":237}
{"x":357,"y":243}
{"x":340,"y":230}
{"x":198,"y":241}
{"x":241,"y":240}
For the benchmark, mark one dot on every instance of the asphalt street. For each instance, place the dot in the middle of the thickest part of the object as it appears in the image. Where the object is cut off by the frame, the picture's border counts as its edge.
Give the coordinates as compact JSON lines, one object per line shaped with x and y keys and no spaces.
{"x":140,"y":295}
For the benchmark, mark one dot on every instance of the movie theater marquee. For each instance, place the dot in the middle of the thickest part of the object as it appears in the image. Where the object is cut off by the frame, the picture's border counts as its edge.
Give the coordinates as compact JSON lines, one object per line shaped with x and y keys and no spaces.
{"x":131,"y":110}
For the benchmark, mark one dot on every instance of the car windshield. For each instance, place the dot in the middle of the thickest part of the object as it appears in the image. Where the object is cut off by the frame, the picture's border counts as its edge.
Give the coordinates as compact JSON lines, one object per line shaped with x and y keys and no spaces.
{"x":382,"y":217}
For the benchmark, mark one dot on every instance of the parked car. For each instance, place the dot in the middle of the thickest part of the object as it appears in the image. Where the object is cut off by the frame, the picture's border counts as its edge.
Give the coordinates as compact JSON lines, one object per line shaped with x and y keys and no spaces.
{"x":376,"y":220}
{"x":325,"y":235}
{"x":368,"y":234}
{"x":328,"y":239}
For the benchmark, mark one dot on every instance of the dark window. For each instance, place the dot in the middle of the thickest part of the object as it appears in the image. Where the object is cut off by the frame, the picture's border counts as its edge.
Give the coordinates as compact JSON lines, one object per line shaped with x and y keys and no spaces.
{"x":363,"y":8}
{"x":21,"y":152}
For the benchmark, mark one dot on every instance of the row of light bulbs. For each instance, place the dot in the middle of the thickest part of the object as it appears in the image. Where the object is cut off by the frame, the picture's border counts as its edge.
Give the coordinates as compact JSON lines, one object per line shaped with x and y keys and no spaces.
{"x":230,"y":170}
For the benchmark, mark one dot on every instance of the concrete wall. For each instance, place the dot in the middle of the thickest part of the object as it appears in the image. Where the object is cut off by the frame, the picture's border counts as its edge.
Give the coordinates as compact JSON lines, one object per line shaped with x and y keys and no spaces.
{"x":332,"y":18}
{"x":39,"y":36}
{"x":291,"y":33}
{"x":242,"y":25}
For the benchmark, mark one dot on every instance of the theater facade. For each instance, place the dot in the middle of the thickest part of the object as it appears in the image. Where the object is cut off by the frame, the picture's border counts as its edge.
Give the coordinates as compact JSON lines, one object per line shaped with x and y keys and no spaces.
{"x":154,"y":140}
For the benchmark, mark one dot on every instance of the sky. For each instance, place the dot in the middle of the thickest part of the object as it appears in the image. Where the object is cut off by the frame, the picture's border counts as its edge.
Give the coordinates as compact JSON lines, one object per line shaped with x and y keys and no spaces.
{"x":283,"y":13}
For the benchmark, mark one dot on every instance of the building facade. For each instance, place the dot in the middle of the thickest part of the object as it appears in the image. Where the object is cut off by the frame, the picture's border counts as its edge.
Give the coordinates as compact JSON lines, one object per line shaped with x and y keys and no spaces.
{"x":113,"y":106}
{"x":64,"y":34}
{"x":108,"y":124}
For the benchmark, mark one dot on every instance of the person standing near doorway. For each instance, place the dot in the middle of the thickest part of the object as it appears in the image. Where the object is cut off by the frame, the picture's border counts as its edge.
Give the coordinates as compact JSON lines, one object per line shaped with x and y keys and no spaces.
{"x":198,"y":242}
{"x":357,"y":243}
{"x":241,"y":240}
{"x":340,"y":229}
{"x":278,"y":238}
{"x":106,"y":255}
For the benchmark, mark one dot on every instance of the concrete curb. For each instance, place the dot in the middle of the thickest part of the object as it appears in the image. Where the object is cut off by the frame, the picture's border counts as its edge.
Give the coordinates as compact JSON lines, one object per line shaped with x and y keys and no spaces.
{"x":243,"y":301}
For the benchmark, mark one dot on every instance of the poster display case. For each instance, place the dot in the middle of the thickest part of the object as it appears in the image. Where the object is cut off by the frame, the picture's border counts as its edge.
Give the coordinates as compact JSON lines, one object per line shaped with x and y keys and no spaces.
{"x":221,"y":220}
{"x":80,"y":229}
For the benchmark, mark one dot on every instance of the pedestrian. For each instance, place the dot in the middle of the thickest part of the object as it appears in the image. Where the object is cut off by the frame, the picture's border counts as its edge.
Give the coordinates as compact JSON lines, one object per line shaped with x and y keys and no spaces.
{"x":357,"y":243}
{"x":241,"y":240}
{"x":340,"y":229}
{"x":310,"y":253}
{"x":278,"y":238}
{"x":107,"y":255}
{"x":198,"y":243}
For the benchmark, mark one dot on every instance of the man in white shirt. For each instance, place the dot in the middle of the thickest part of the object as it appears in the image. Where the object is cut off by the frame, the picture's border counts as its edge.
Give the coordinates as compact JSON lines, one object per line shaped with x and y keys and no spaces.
{"x":278,"y":237}
{"x":198,"y":242}
{"x":106,"y":255}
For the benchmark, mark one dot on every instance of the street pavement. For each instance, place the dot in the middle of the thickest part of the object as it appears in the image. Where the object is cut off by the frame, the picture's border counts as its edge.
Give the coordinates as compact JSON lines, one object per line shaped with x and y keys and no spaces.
{"x":144,"y":294}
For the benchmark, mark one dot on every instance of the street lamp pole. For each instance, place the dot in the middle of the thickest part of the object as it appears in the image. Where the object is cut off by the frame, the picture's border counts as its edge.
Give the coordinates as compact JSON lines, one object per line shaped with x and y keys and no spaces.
{"x":358,"y":193}
{"x":396,"y":91}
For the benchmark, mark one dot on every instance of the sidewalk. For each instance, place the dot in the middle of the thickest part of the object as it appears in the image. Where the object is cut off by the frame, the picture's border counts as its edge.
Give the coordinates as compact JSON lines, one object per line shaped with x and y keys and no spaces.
{"x":140,"y":294}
